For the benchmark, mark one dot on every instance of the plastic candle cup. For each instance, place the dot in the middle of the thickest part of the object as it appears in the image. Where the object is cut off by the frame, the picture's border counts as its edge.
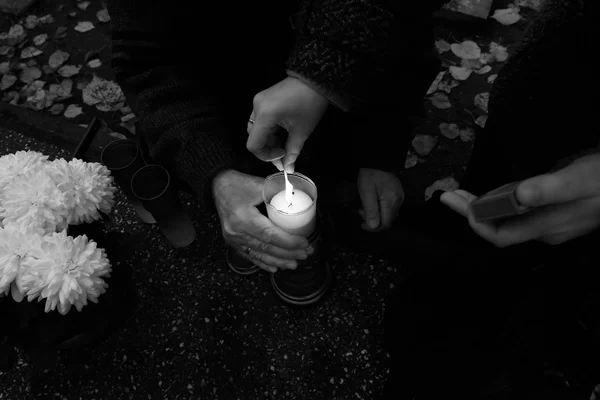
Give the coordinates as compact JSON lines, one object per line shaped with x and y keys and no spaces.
{"x":299,"y":217}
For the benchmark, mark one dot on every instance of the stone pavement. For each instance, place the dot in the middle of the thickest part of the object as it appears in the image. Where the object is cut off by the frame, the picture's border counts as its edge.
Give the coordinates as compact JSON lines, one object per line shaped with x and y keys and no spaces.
{"x":203,"y":332}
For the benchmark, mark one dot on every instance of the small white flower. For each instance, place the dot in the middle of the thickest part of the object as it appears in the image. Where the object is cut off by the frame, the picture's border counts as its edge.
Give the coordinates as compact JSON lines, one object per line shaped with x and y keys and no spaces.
{"x":88,"y":188}
{"x":70,"y":272}
{"x":18,"y":164}
{"x":16,"y":247}
{"x":33,"y":202}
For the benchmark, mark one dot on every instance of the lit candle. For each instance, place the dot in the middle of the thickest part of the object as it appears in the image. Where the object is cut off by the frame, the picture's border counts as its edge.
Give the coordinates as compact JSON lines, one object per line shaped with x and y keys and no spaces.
{"x":292,"y":210}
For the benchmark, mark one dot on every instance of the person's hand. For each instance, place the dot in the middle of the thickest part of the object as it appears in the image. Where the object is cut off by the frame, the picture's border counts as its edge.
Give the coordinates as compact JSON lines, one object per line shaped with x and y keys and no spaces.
{"x":567,"y":206}
{"x":291,"y":105}
{"x":381,"y":195}
{"x":236,"y":196}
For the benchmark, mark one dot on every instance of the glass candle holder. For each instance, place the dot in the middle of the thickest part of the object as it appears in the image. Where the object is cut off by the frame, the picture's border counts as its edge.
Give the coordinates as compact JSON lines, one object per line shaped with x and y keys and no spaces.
{"x":301,"y":222}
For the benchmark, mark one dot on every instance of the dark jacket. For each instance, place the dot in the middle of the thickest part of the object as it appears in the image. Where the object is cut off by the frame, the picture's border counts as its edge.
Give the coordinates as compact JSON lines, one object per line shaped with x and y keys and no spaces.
{"x":190,"y":74}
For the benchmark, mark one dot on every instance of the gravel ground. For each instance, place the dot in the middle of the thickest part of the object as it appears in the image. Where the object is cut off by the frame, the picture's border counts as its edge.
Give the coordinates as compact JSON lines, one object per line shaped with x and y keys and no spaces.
{"x":203,"y":332}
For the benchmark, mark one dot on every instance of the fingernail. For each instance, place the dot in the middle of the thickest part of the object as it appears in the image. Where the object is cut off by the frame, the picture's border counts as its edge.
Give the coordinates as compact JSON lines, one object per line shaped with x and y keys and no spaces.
{"x":273,"y":270}
{"x":372,"y":223}
{"x":292,"y":265}
{"x":310,"y":250}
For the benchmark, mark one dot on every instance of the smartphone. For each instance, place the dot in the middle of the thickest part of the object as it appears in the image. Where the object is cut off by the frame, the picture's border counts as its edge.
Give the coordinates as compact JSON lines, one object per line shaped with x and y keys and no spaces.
{"x":500,"y":203}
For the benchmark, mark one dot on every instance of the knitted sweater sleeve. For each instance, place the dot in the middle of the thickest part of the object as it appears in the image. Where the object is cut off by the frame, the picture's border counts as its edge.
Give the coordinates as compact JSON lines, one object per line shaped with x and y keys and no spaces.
{"x":177,"y":105}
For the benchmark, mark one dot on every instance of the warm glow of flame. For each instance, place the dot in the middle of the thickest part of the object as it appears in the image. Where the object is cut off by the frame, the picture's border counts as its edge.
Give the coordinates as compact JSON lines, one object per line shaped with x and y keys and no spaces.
{"x":289,"y":189}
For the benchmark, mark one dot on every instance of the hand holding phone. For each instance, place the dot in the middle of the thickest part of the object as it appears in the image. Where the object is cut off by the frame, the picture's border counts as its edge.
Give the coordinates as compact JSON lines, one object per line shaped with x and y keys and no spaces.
{"x":499,"y":203}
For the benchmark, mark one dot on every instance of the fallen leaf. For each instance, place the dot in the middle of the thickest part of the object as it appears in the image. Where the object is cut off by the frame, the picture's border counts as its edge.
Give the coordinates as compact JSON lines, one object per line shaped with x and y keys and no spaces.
{"x":434,"y":85}
{"x":57,"y":108}
{"x":61,"y":33}
{"x":125,"y":110}
{"x":20,"y":66}
{"x":68,"y":71}
{"x":449,"y":131}
{"x":11,"y":97}
{"x":32,"y":62}
{"x":104,"y":94}
{"x":534,"y":4}
{"x":94,"y":63}
{"x":467,"y":134}
{"x":103,"y":16}
{"x":472,"y":64}
{"x":72,"y":111}
{"x":7,"y":81}
{"x":117,"y":135}
{"x":30,"y":74}
{"x":484,"y":70}
{"x":445,"y":184}
{"x":447,"y":86}
{"x":84,"y":26}
{"x":423,"y":144}
{"x":31,"y":21}
{"x":72,"y":14}
{"x":127,"y":117}
{"x":441,"y":101}
{"x":62,"y":90}
{"x":492,"y":78}
{"x":481,"y":100}
{"x":40,"y":39}
{"x":82,"y":5}
{"x":57,"y":59}
{"x":487,"y":58}
{"x":460,"y":73}
{"x":40,"y":99}
{"x":442,"y":46}
{"x":411,"y":161}
{"x":30,"y":51}
{"x":500,"y":53}
{"x":466,"y":50}
{"x":4,"y":50}
{"x":481,"y":120}
{"x":46,"y":19}
{"x":47,"y":70}
{"x":16,"y":34}
{"x":507,"y":16}
{"x":4,"y":67}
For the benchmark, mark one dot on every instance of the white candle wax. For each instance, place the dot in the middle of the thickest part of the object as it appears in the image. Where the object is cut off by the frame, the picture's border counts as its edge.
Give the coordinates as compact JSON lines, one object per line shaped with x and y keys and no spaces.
{"x":299,"y":218}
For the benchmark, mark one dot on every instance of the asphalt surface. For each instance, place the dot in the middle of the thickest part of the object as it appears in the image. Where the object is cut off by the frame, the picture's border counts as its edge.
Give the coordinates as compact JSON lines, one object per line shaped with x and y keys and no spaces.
{"x":202,"y":332}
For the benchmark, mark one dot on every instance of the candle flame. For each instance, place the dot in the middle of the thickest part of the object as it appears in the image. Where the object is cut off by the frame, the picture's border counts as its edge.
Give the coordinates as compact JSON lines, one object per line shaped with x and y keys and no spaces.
{"x":289,"y":189}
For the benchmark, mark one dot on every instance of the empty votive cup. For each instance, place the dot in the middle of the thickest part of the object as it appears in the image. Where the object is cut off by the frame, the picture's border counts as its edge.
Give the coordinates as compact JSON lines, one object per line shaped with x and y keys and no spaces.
{"x":153,"y":187}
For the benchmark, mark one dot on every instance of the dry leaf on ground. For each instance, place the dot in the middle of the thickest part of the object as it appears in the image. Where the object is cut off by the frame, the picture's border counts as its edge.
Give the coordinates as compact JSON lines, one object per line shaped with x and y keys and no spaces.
{"x":481,"y":120}
{"x":447,"y":86}
{"x":7,"y":81}
{"x":125,"y":110}
{"x":40,"y":39}
{"x":61,"y":33}
{"x":30,"y":51}
{"x":467,"y":134}
{"x":534,"y":4}
{"x":481,"y":100}
{"x":449,"y":131}
{"x":68,"y":71}
{"x":442,"y":46}
{"x":472,"y":64}
{"x":434,"y":85}
{"x":507,"y":16}
{"x":500,"y":53}
{"x":57,"y":108}
{"x":484,"y":70}
{"x":104,"y":94}
{"x":58,"y":58}
{"x":117,"y":135}
{"x":441,"y":101}
{"x":46,"y":19}
{"x":446,"y":184}
{"x":492,"y":78}
{"x":4,"y":50}
{"x":94,"y":63}
{"x":63,"y":90}
{"x":72,"y":111}
{"x":411,"y":160}
{"x":16,"y":34}
{"x":31,"y":21}
{"x":460,"y":73}
{"x":30,"y":74}
{"x":84,"y":26}
{"x":466,"y":50}
{"x":127,"y":117}
{"x":423,"y":144}
{"x":103,"y":16}
{"x":4,"y":67}
{"x":83,"y":5}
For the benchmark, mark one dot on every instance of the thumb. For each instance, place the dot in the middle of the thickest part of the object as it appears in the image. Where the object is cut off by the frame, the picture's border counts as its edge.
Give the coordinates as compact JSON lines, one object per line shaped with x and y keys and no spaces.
{"x":258,"y":140}
{"x":293,"y":147}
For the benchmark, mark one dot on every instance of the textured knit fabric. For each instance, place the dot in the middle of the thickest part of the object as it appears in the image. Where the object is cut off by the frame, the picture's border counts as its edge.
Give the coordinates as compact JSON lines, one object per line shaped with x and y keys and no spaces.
{"x":190,"y":74}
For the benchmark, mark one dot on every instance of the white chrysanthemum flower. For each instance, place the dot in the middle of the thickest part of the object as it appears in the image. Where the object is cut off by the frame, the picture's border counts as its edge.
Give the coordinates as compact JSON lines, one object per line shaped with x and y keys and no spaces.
{"x":18,"y":164}
{"x":33,"y":202}
{"x":16,"y":247}
{"x":88,"y":188}
{"x":70,"y":272}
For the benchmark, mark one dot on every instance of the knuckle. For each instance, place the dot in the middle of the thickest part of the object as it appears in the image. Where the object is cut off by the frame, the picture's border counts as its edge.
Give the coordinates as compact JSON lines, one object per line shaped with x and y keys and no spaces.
{"x":258,"y":100}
